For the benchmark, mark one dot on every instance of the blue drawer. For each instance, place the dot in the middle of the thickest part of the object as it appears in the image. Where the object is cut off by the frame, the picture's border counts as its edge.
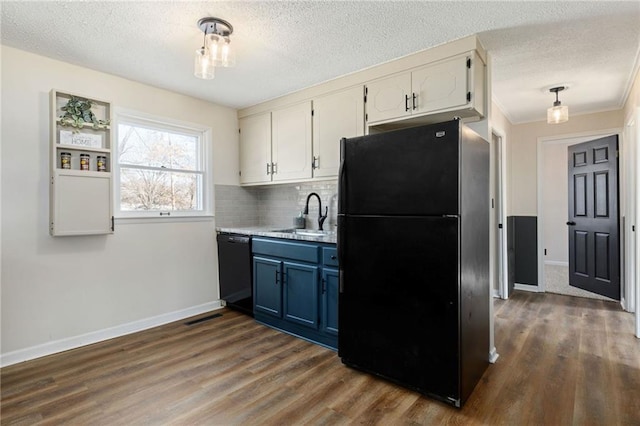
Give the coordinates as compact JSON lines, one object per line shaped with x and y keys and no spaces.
{"x":329,"y":256}
{"x":289,"y":250}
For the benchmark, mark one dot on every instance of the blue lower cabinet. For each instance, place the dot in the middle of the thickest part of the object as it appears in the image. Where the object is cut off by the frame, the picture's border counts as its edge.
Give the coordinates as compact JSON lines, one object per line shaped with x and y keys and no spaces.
{"x":330,"y":301}
{"x":267,"y":286}
{"x":294,"y":291}
{"x":301,"y":294}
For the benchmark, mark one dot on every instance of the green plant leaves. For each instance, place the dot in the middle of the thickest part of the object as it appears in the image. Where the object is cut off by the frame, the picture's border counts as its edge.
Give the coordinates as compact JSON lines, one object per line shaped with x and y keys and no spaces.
{"x":77,"y":112}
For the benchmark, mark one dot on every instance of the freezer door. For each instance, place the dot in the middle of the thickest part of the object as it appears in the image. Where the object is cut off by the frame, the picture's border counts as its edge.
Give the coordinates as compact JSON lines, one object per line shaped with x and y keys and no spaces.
{"x":398,"y":305}
{"x":404,"y":172}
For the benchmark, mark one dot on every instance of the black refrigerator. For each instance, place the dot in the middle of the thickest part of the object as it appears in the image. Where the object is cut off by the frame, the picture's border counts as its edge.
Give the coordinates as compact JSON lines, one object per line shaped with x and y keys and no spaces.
{"x":413,"y":247}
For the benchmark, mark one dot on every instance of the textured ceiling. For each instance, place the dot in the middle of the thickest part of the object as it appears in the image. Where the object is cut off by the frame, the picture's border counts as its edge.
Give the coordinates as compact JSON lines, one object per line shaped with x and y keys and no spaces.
{"x":285,"y":46}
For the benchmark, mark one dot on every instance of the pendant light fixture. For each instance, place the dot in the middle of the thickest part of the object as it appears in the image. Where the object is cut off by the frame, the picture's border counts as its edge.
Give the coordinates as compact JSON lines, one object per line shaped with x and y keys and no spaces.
{"x":557,"y":113}
{"x":216,"y":49}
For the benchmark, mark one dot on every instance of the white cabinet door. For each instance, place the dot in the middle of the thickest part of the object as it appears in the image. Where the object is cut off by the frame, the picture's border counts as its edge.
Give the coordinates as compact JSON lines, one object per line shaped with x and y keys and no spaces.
{"x":81,"y":203}
{"x":389,"y":98}
{"x":336,"y":116}
{"x":255,"y":148}
{"x":291,"y":142}
{"x":440,"y":86}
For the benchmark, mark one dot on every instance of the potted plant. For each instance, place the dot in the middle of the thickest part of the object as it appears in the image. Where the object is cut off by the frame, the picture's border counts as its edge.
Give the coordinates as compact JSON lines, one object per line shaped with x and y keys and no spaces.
{"x":77,"y":112}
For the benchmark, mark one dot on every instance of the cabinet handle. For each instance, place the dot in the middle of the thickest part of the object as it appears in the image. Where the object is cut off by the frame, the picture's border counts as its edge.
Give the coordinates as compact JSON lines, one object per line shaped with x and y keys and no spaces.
{"x":268,"y":168}
{"x":333,"y":257}
{"x":406,"y":102}
{"x":315,"y":164}
{"x":323,"y":286}
{"x":414,"y":101}
{"x":274,"y":168}
{"x":276,"y":277}
{"x":571,"y":223}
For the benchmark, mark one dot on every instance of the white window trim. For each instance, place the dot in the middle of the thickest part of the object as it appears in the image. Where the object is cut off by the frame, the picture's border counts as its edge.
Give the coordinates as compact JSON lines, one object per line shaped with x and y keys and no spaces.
{"x":132,"y":116}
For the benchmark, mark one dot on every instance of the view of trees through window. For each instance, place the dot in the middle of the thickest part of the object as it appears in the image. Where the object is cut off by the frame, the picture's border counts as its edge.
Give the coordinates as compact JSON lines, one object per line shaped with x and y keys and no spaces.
{"x":159,"y":170}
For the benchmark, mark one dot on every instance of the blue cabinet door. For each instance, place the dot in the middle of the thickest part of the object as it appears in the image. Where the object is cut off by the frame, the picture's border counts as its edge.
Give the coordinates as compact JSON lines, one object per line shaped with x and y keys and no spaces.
{"x":330,"y":301}
{"x":267,"y":286}
{"x":301,"y":294}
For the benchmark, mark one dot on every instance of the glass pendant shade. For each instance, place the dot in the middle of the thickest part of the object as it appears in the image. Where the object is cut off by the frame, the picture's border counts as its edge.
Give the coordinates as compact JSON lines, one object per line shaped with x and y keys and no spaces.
{"x":227,"y":55}
{"x":204,"y":66}
{"x":213,"y":47}
{"x":557,"y":114}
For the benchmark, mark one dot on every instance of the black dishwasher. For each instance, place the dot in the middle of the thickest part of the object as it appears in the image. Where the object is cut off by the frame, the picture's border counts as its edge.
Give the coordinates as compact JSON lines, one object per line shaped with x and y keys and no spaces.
{"x":234,"y":266}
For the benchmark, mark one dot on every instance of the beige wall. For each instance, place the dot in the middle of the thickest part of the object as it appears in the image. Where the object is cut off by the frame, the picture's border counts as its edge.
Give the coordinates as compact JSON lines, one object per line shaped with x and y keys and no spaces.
{"x":67,"y":290}
{"x":633,"y":100}
{"x":522,"y":190}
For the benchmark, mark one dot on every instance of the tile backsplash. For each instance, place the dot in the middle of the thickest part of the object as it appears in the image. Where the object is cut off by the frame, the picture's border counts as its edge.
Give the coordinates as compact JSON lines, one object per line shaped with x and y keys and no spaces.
{"x":275,"y":205}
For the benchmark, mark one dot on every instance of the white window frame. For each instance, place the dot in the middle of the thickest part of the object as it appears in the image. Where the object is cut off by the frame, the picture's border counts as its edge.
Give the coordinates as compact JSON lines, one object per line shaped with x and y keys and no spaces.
{"x":123,"y":116}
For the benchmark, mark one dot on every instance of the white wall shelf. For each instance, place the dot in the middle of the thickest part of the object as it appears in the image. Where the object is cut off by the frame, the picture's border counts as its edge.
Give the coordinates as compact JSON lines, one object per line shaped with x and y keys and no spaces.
{"x":80,"y":199}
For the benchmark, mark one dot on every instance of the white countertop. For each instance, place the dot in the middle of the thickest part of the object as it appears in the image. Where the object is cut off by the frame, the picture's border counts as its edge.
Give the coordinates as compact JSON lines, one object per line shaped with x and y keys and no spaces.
{"x":275,"y":232}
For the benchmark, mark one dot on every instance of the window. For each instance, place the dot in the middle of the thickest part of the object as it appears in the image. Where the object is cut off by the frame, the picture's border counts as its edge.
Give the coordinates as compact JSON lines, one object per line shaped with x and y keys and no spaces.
{"x":161,"y":168}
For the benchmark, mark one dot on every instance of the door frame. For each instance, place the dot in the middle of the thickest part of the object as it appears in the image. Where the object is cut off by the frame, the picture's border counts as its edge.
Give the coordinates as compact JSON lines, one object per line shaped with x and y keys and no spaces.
{"x":500,"y":171}
{"x":631,"y":144}
{"x":565,"y":139}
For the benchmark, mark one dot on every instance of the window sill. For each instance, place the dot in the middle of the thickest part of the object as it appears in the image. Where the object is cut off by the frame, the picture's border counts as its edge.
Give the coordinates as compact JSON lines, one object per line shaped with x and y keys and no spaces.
{"x":126,"y":220}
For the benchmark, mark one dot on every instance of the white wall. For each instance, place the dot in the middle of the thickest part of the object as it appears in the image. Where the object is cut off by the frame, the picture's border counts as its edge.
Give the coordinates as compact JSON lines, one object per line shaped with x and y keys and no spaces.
{"x":555,"y":202}
{"x":65,"y":287}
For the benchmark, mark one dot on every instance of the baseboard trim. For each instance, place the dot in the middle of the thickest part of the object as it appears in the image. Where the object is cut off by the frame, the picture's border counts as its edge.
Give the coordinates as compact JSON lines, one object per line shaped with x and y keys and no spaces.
{"x":68,"y":343}
{"x":493,"y":355}
{"x":527,"y":287}
{"x":556,"y":263}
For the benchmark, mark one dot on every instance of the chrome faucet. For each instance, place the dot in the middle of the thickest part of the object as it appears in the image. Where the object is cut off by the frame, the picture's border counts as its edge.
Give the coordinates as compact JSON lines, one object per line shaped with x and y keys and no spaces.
{"x":321,"y":218}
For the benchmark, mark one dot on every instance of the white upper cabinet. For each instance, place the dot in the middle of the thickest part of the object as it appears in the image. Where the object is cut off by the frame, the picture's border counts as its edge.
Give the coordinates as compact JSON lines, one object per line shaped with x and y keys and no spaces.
{"x":440,"y":86}
{"x":291,"y":142}
{"x":255,"y":149}
{"x":389,"y":97}
{"x":454,"y":84}
{"x":335,"y":116}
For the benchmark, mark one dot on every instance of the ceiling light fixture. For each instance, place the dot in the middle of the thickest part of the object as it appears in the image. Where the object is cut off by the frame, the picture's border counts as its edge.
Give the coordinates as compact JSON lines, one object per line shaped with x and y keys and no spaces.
{"x":216,"y":49}
{"x":557,"y":113}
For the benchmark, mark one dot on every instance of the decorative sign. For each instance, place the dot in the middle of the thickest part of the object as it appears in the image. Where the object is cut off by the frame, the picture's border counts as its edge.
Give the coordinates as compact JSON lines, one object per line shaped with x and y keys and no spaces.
{"x":80,"y":139}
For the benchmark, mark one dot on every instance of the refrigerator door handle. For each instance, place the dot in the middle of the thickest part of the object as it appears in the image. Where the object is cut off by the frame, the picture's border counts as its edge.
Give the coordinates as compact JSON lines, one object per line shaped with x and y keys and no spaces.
{"x":342,"y":184}
{"x":340,"y":248}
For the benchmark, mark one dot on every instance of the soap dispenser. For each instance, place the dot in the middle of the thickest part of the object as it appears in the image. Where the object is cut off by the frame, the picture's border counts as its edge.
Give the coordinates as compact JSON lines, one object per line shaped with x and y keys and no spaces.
{"x":299,"y":222}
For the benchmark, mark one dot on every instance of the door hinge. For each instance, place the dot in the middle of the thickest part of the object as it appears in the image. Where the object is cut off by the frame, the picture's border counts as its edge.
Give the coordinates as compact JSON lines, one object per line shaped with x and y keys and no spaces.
{"x":468,"y":96}
{"x":468,"y":62}
{"x":113,"y":225}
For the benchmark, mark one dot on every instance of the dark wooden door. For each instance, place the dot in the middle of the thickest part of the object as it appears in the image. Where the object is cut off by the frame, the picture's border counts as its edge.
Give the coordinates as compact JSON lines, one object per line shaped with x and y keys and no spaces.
{"x":594,"y":255}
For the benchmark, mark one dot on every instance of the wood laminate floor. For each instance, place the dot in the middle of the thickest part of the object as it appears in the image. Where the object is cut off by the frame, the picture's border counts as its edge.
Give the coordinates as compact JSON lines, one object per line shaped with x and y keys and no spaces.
{"x":563,"y":361}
